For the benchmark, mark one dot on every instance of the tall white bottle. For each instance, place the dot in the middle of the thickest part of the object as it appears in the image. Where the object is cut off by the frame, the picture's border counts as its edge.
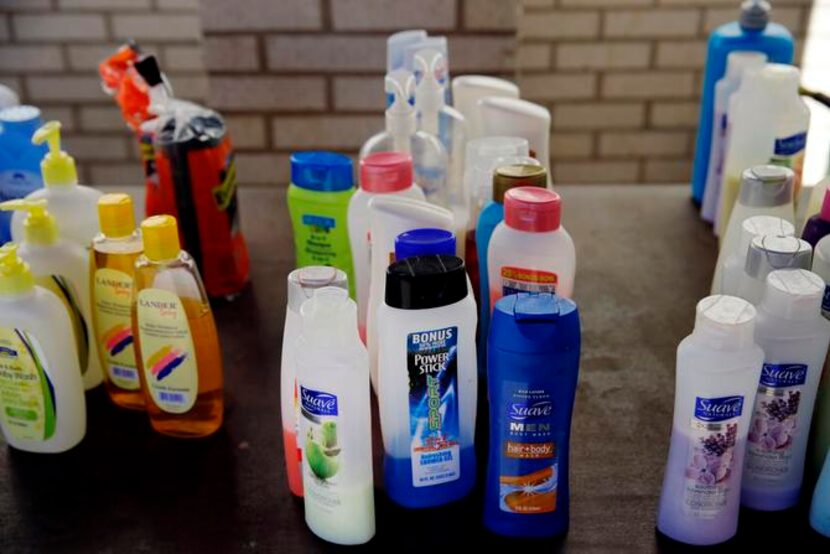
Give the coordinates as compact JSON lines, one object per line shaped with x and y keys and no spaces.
{"x":388,"y":218}
{"x":74,"y":206}
{"x":794,"y":337}
{"x":717,"y":374}
{"x":512,"y":117}
{"x":42,"y":404}
{"x":61,"y":267}
{"x":467,"y":90}
{"x":766,"y":254}
{"x":335,"y":425}
{"x":736,"y":63}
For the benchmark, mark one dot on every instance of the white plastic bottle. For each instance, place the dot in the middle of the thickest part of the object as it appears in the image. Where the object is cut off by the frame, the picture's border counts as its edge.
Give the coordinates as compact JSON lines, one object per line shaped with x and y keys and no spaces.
{"x":428,"y":381}
{"x":766,"y":254}
{"x":382,"y":173}
{"x":717,"y":374}
{"x":765,"y":190}
{"x":530,"y":251}
{"x":389,"y":216}
{"x":467,"y":90}
{"x":512,"y":117}
{"x":821,"y":417}
{"x":402,"y":135}
{"x":396,"y":46}
{"x":336,"y":425}
{"x":736,"y":63}
{"x":61,"y":267}
{"x":75,"y":207}
{"x":794,"y":337}
{"x":769,"y":126}
{"x":42,"y":404}
{"x":726,"y":280}
{"x":301,"y":286}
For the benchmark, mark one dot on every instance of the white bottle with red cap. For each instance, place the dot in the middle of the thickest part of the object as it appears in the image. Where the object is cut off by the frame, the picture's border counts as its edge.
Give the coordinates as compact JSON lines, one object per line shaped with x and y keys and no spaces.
{"x":530,"y":251}
{"x":382,"y":173}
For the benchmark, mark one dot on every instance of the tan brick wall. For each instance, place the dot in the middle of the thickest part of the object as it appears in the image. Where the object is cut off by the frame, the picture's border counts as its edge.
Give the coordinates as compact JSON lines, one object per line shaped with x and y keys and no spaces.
{"x":622,"y":80}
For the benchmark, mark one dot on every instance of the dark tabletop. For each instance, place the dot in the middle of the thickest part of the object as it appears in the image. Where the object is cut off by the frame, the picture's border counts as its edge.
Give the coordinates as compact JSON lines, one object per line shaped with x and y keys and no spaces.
{"x":643,"y":261}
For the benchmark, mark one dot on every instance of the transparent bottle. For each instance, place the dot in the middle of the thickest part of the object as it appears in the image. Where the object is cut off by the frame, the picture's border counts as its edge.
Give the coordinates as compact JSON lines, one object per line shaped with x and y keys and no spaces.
{"x":115,"y":250}
{"x":180,"y":361}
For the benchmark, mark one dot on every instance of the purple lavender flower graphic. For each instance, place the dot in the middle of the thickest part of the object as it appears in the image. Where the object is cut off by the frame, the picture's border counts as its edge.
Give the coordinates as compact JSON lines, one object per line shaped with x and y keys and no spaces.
{"x":712,"y":460}
{"x":774,"y":426}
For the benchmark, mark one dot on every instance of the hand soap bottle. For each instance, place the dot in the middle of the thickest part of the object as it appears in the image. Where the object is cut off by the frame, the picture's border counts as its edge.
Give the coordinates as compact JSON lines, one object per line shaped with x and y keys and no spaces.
{"x":533,"y":365}
{"x":19,"y":158}
{"x":336,"y":420}
{"x":427,"y":383}
{"x":61,"y":267}
{"x":301,"y":286}
{"x":115,"y":250}
{"x":42,"y":404}
{"x":180,"y":362}
{"x":75,"y":207}
{"x":717,"y":374}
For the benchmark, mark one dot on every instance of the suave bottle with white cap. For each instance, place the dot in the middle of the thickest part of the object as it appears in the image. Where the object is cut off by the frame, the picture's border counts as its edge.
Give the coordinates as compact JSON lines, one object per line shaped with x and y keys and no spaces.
{"x":794,"y":337}
{"x":766,"y":254}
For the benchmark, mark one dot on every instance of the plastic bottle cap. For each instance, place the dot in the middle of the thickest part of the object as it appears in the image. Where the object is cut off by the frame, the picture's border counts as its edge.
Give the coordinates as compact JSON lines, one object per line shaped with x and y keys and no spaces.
{"x":15,"y":275}
{"x":57,"y":167}
{"x":758,"y":225}
{"x":739,"y":61}
{"x":384,"y":172}
{"x":532,"y":209}
{"x":825,"y":206}
{"x":329,"y":318}
{"x":304,"y":281}
{"x":770,"y":252}
{"x":321,"y":171}
{"x":766,"y":186}
{"x":754,"y":15}
{"x":39,"y":227}
{"x":115,"y":215}
{"x":425,"y":282}
{"x":160,"y":234}
{"x":780,"y":80}
{"x":424,"y":242}
{"x":793,"y":294}
{"x":726,"y":320}
{"x":534,"y":323}
{"x":509,"y":177}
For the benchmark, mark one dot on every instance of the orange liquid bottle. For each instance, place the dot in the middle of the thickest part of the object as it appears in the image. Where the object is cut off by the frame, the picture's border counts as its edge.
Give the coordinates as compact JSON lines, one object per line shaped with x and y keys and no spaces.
{"x":114,"y":252}
{"x":180,"y":360}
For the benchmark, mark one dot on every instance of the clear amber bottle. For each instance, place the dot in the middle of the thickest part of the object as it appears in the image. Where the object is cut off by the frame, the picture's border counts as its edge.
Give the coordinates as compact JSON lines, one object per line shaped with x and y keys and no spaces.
{"x":180,"y":359}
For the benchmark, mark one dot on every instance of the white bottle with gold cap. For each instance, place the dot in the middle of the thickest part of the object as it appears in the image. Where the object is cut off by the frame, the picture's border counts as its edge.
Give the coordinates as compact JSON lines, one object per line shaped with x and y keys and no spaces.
{"x":62,"y":267}
{"x":42,"y":404}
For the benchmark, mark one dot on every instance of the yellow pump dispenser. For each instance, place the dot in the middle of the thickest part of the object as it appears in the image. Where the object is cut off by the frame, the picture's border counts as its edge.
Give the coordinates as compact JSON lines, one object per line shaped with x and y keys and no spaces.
{"x":39,"y":227}
{"x":15,"y":276}
{"x":58,"y":167}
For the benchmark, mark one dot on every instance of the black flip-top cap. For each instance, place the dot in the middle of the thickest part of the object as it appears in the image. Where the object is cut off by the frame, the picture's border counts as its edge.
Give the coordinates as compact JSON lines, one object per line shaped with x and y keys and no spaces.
{"x":149,"y":70}
{"x":424,"y":282}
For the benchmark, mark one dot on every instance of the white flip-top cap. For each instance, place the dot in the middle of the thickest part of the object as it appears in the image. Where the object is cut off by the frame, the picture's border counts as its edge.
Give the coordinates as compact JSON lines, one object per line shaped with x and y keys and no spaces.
{"x":304,"y":281}
{"x":767,"y":253}
{"x":726,"y":321}
{"x":763,"y":225}
{"x":739,"y":61}
{"x":793,"y":294}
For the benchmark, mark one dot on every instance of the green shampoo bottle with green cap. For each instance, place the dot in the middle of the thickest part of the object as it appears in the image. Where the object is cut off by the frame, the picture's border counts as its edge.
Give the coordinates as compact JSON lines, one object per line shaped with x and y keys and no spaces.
{"x":318,"y":200}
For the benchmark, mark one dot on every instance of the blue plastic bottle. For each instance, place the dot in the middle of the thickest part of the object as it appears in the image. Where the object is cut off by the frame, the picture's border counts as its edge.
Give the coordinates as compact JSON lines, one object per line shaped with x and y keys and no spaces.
{"x":424,"y":242}
{"x":820,"y":508}
{"x":533,"y":363}
{"x":504,"y":179}
{"x":752,"y":32}
{"x":19,"y":158}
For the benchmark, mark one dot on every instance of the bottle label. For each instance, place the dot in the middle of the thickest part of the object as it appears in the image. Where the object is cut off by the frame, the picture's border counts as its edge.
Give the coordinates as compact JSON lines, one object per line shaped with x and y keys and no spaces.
{"x":789,"y":152}
{"x":518,"y":279}
{"x":432,"y":364}
{"x":774,"y":427}
{"x":825,"y":302}
{"x":148,"y":158}
{"x":529,"y":461}
{"x":18,"y":183}
{"x":112,"y":300}
{"x":321,"y":448}
{"x":711,"y":458}
{"x":167,"y":352}
{"x":27,"y":393}
{"x":720,"y":143}
{"x":68,"y":295}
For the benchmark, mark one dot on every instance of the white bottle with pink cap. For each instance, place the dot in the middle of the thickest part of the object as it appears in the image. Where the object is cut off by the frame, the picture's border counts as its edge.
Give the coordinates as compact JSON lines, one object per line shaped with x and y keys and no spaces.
{"x":530,"y":251}
{"x":387,"y":173}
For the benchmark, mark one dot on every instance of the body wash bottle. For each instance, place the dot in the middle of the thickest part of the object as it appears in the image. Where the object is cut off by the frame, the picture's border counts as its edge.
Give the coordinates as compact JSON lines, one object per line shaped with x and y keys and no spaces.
{"x":115,"y":251}
{"x":794,"y":337}
{"x":42,"y":404}
{"x":717,"y":374}
{"x":180,"y":362}
{"x":336,"y":421}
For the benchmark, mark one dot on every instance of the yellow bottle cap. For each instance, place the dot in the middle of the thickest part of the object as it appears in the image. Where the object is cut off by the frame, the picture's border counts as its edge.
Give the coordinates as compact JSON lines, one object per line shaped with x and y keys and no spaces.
{"x":160,"y":234}
{"x":15,"y":276}
{"x":39,"y":227}
{"x":115,"y":215}
{"x":57,"y":166}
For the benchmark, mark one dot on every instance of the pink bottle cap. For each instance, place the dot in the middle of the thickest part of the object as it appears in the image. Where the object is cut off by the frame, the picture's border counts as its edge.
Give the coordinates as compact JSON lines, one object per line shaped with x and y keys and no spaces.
{"x":532,"y":209}
{"x":825,"y":206}
{"x":386,"y":172}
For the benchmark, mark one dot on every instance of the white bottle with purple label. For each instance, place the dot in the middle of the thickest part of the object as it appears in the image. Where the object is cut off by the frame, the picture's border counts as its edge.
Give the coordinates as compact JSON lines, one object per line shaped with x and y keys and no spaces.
{"x":794,"y":337}
{"x":717,"y":374}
